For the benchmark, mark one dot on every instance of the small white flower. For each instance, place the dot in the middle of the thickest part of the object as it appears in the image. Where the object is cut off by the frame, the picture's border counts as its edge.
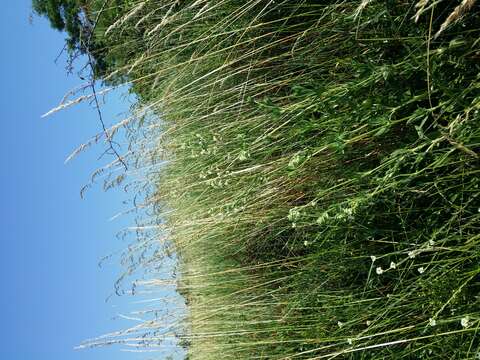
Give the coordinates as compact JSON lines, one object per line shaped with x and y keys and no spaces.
{"x":323,"y":218}
{"x":393,"y":265}
{"x":379,"y":270}
{"x":340,"y":324}
{"x":373,"y":257}
{"x":411,"y":254}
{"x":305,"y":243}
{"x":293,"y":214}
{"x":465,"y":322}
{"x":368,"y":322}
{"x":432,"y":322}
{"x":350,"y":341}
{"x":421,"y":270}
{"x":431,"y":242}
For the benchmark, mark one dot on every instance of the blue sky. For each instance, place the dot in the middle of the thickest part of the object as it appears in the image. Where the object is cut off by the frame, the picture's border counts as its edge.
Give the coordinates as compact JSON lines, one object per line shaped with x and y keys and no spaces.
{"x":53,"y":293}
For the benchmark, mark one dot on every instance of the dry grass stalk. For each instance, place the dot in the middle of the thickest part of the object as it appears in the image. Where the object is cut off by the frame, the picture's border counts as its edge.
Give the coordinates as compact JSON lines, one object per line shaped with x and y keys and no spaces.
{"x":360,"y":7}
{"x":421,"y":7}
{"x":456,"y":15}
{"x":64,"y":105}
{"x":125,"y":18}
{"x":94,"y":140}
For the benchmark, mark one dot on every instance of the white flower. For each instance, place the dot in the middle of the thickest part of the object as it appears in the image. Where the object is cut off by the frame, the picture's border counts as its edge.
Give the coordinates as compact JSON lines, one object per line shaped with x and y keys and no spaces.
{"x":350,"y":341}
{"x":379,"y":270}
{"x":431,"y":242}
{"x":323,"y":218}
{"x":432,"y":322}
{"x":305,"y":243}
{"x":368,"y":322}
{"x":340,"y":324}
{"x":421,"y":270}
{"x":465,"y":322}
{"x":293,"y":214}
{"x":373,"y":257}
{"x":393,"y":265}
{"x":411,"y":254}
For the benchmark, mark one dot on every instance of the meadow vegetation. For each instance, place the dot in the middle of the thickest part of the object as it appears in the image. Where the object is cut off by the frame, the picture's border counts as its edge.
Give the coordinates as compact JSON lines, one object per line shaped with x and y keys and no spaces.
{"x":313,"y":164}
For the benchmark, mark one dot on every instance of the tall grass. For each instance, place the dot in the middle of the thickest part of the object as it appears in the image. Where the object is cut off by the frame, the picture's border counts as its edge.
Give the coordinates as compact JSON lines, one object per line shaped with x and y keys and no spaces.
{"x":316,"y":167}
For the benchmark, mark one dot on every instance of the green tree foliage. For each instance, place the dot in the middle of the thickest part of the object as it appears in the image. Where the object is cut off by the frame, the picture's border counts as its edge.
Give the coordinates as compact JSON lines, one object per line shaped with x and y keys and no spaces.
{"x":66,"y":15}
{"x":85,"y":23}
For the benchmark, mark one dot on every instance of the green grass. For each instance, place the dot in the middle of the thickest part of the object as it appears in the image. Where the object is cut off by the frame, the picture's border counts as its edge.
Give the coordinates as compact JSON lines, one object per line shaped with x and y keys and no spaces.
{"x":322,"y":172}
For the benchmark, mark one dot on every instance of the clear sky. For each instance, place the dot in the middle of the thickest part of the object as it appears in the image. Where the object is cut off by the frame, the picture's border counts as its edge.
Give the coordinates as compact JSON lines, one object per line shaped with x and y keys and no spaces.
{"x":52,"y":291}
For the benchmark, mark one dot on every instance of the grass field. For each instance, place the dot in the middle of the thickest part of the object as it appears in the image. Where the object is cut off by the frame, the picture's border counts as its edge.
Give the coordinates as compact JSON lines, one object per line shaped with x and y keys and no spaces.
{"x":315,"y":167}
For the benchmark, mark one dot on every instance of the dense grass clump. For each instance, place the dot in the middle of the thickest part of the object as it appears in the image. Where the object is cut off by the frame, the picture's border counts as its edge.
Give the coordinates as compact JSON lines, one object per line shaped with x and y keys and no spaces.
{"x":321,"y":185}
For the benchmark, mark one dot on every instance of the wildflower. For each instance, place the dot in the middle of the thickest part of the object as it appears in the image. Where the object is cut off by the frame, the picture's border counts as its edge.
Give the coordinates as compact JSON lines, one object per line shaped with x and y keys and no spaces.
{"x":323,"y":218}
{"x":350,"y":341}
{"x":411,"y":254}
{"x":295,"y":161}
{"x":465,"y":322}
{"x":393,"y":265}
{"x":373,"y":257}
{"x":432,"y":322}
{"x":305,"y":243}
{"x":431,"y":242}
{"x":368,"y":322}
{"x":340,"y":324}
{"x":421,"y":270}
{"x":379,"y":270}
{"x":293,"y":214}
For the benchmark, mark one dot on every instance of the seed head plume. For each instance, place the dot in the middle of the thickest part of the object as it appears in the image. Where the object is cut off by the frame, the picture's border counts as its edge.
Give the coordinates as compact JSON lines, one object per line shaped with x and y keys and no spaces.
{"x":360,"y":7}
{"x":125,"y":18}
{"x":456,"y":15}
{"x":421,"y":7}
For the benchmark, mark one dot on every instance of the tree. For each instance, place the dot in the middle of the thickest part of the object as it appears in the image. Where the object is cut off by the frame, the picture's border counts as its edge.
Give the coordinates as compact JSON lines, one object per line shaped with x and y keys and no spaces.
{"x":65,"y":15}
{"x":74,"y":17}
